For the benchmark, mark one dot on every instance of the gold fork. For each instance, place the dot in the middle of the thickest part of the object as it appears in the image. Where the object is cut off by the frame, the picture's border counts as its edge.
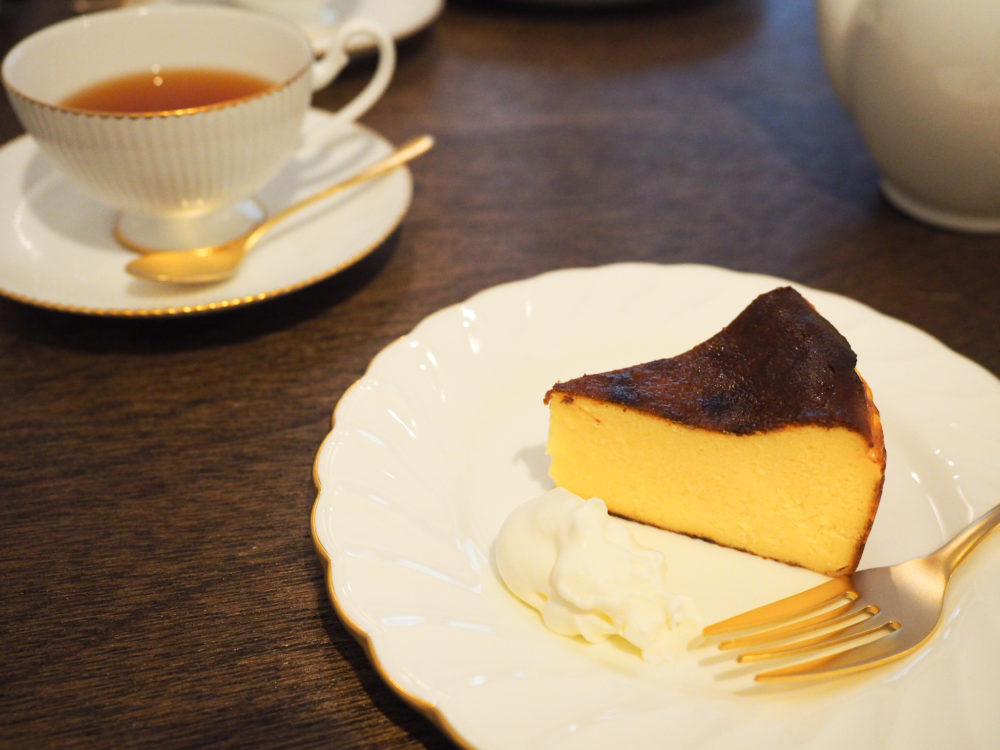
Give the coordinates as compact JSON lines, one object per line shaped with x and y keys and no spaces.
{"x":862,"y":620}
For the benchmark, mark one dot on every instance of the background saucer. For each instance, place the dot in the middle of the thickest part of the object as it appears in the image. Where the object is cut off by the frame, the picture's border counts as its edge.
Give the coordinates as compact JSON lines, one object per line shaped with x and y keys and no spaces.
{"x":401,"y":18}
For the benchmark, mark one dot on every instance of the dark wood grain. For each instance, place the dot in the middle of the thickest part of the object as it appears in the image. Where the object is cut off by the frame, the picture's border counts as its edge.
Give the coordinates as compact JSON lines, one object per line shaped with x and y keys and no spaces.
{"x":159,"y":583}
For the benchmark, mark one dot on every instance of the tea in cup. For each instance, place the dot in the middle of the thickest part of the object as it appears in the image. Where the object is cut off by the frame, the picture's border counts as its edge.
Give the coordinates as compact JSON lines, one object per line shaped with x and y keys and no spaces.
{"x":177,"y":114}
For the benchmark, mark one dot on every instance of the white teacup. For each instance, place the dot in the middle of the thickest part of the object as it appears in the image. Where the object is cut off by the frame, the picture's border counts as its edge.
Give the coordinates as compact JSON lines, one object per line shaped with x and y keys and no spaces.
{"x":182,"y":177}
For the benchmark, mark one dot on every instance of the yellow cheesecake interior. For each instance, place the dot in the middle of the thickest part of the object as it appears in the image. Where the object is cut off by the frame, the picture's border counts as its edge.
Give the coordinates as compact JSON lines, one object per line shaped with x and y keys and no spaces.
{"x":803,"y":494}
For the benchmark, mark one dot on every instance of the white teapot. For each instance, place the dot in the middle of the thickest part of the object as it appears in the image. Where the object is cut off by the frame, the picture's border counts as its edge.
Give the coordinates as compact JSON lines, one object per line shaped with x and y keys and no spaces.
{"x":922,"y":80}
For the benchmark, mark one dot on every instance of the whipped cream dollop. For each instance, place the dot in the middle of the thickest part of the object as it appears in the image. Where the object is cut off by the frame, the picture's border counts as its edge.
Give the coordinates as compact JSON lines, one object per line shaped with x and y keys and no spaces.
{"x":584,"y":572}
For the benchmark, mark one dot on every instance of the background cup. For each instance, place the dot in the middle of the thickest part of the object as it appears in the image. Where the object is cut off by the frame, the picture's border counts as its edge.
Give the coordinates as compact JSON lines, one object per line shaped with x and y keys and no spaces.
{"x":305,"y":12}
{"x":181,"y":178}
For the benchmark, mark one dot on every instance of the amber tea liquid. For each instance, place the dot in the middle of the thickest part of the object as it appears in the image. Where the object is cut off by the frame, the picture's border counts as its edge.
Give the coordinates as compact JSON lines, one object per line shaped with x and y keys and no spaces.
{"x":159,"y":90}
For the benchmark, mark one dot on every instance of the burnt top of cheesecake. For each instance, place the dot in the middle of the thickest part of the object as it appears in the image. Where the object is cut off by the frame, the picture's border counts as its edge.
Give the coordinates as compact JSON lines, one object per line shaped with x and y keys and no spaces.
{"x":778,"y":363}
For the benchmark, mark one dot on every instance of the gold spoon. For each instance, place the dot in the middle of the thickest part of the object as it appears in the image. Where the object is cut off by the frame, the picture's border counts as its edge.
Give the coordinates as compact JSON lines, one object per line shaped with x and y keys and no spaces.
{"x":217,"y":262}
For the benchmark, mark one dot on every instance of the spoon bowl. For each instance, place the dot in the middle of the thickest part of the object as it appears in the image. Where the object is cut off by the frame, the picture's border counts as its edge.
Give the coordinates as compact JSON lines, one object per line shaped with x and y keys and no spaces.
{"x":203,"y":265}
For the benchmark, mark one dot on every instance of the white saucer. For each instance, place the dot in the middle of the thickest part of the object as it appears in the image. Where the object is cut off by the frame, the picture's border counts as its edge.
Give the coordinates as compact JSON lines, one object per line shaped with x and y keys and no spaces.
{"x":59,"y":253}
{"x":401,"y":18}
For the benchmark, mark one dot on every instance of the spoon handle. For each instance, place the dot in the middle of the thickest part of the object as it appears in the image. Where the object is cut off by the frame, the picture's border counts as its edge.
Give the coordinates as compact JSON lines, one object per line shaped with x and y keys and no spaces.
{"x":407,"y":152}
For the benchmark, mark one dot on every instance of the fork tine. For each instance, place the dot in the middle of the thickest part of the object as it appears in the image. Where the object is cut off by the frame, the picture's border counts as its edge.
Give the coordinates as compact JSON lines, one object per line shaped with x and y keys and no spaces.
{"x":783,"y":609}
{"x":828,"y":618}
{"x":871,"y":654}
{"x":851,"y":631}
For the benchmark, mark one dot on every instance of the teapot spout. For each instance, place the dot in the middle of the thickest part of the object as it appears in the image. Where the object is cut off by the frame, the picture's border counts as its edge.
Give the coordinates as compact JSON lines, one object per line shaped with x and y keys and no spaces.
{"x":834,"y":20}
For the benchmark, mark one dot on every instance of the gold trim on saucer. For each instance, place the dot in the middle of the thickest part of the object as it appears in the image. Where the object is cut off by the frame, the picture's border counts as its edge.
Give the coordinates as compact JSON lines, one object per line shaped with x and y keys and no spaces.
{"x":209,"y":307}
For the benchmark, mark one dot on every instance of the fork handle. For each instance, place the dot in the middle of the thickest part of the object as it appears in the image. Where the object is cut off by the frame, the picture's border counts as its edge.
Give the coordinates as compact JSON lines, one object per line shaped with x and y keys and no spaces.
{"x":953,"y":553}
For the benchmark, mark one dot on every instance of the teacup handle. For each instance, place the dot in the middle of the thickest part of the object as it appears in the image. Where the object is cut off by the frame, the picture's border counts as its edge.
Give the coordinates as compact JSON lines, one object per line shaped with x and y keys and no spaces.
{"x":334,"y":56}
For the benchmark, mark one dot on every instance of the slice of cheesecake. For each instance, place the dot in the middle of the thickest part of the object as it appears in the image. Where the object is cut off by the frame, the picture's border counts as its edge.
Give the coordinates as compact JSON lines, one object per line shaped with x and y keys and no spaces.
{"x":763,"y":438}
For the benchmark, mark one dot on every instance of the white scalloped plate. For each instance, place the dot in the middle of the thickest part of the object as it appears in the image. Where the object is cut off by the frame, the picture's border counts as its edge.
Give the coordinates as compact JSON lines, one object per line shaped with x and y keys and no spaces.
{"x":445,"y":434}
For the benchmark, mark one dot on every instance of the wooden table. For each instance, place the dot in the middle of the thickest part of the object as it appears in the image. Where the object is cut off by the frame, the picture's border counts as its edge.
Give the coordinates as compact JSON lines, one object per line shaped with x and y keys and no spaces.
{"x":159,"y":582}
